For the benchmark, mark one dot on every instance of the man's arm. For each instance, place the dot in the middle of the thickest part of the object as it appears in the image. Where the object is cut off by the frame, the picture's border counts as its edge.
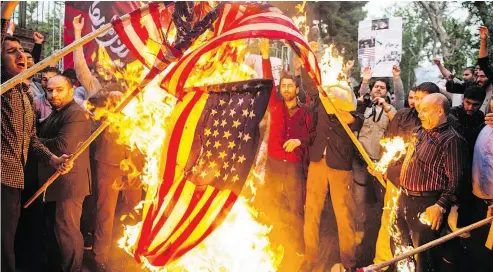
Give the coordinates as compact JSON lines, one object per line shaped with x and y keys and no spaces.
{"x":7,"y":9}
{"x":445,"y":73}
{"x":367,"y":74}
{"x":483,"y":53}
{"x":483,"y":44}
{"x":457,"y":87}
{"x":38,"y":46}
{"x":267,"y":68}
{"x":456,"y":161}
{"x":84,"y":75}
{"x":398,"y":88}
{"x":70,"y":134}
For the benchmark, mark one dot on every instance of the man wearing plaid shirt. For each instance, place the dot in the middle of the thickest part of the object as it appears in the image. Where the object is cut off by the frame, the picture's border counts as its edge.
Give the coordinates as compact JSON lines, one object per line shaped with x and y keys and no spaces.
{"x":18,"y":135}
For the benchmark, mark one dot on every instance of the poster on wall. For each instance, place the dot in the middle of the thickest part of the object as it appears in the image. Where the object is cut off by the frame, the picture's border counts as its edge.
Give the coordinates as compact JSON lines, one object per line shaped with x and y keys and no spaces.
{"x":97,"y":14}
{"x":380,"y":45}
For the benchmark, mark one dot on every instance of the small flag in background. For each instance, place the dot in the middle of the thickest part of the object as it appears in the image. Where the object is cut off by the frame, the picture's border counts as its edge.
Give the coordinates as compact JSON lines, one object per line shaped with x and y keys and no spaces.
{"x":210,"y":151}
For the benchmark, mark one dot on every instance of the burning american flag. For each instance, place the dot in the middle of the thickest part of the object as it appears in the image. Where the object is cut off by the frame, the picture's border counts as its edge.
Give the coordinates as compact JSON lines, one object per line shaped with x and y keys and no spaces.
{"x":213,"y":136}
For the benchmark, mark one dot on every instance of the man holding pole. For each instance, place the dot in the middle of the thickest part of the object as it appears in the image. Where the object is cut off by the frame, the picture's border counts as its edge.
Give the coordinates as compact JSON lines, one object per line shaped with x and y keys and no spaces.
{"x":331,"y":157}
{"x":435,"y":164}
{"x":61,"y":132}
{"x":18,"y":136}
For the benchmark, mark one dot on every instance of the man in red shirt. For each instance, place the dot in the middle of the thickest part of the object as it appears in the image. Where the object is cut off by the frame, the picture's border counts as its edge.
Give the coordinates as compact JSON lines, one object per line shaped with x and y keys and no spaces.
{"x":281,"y":197}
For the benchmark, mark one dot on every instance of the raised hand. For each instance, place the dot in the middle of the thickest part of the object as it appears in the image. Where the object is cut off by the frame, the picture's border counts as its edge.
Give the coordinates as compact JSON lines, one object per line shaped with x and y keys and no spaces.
{"x":78,"y":23}
{"x":367,"y":74}
{"x":264,"y":47}
{"x":483,"y":32}
{"x":38,"y":38}
{"x":396,"y":71}
{"x":437,"y":61}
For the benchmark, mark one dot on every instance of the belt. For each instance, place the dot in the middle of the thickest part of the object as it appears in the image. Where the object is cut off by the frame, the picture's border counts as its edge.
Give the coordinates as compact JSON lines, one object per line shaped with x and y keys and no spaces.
{"x":415,"y":193}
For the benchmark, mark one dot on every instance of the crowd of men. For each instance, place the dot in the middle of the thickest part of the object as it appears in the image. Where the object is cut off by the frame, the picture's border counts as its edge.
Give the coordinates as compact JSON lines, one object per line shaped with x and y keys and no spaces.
{"x":447,"y":169}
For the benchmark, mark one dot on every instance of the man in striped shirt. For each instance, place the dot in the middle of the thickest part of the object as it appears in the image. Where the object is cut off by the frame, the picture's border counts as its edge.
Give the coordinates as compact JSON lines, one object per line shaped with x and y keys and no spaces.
{"x":435,"y":163}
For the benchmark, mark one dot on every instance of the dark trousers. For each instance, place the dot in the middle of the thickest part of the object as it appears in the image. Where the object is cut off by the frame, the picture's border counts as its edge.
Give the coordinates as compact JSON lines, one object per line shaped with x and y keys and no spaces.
{"x":416,"y":233}
{"x":66,"y":226}
{"x":479,"y":257}
{"x":11,"y":210}
{"x":367,"y":191}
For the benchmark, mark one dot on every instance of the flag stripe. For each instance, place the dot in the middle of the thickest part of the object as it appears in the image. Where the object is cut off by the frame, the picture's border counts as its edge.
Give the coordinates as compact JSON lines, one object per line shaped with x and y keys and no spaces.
{"x":172,"y":148}
{"x":171,"y":247}
{"x":219,"y":220}
{"x":182,"y":70}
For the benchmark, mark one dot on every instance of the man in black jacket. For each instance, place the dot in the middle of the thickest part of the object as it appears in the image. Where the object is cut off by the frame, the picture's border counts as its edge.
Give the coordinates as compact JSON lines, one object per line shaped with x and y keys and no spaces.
{"x":331,"y":156}
{"x":62,"y":132}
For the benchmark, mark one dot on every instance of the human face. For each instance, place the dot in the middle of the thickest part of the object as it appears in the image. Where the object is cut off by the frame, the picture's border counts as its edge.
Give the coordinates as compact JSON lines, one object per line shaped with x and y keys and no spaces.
{"x":467,"y":75}
{"x":30,"y":60}
{"x":58,"y":92}
{"x":410,"y":99}
{"x":430,"y":113}
{"x":471,"y":106}
{"x":481,"y":78}
{"x":103,"y":73}
{"x":13,"y":58}
{"x":288,"y":89}
{"x":476,"y":69}
{"x":418,"y":96}
{"x":45,"y":77}
{"x":379,"y":90}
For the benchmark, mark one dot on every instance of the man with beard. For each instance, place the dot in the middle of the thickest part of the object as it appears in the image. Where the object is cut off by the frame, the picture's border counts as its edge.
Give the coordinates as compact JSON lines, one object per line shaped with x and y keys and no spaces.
{"x":62,"y":132}
{"x":377,"y":116}
{"x":484,"y":75}
{"x":18,"y":137}
{"x":469,"y":115}
{"x":42,"y":107}
{"x":281,"y":198}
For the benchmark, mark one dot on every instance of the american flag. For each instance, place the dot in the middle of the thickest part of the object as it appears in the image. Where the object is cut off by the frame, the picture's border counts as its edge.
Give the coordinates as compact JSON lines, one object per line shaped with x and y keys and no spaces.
{"x":214,"y":133}
{"x":209,"y":155}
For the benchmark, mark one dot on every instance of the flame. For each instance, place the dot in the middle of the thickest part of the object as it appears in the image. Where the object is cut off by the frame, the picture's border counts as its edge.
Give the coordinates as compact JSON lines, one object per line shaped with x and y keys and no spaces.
{"x":300,"y":19}
{"x":395,"y":148}
{"x":405,"y":265}
{"x":240,"y":243}
{"x":221,"y":65}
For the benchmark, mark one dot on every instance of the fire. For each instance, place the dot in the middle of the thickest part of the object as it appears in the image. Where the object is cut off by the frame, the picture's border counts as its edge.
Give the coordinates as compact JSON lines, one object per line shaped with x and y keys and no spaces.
{"x":406,"y":265}
{"x":300,"y":19}
{"x":142,"y":126}
{"x":221,"y":65}
{"x":395,"y":148}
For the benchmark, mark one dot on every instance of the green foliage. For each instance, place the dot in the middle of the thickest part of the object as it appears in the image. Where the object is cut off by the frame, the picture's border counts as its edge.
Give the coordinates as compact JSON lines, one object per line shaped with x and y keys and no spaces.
{"x":420,"y":42}
{"x":47,"y":26}
{"x":482,"y":15}
{"x":342,"y":19}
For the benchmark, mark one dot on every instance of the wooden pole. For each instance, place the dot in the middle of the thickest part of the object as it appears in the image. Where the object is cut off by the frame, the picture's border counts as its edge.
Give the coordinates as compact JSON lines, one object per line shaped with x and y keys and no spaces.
{"x":58,"y":54}
{"x":377,"y":267}
{"x":87,"y":142}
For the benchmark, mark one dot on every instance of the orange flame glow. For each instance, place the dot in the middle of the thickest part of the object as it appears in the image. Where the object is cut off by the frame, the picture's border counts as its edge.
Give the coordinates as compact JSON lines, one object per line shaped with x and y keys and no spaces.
{"x":240,"y":243}
{"x":395,"y":148}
